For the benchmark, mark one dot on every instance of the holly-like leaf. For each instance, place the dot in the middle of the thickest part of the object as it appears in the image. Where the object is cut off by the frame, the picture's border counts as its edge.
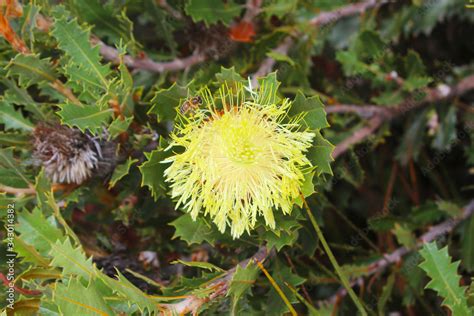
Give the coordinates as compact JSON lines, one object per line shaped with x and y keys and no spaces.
{"x":20,"y":96}
{"x":282,"y":274}
{"x":212,"y":11}
{"x":87,"y":117}
{"x":38,"y":231}
{"x":444,"y":278}
{"x":13,"y":119}
{"x":152,"y":172}
{"x":12,"y":173}
{"x":320,"y":154}
{"x":72,"y":260}
{"x":121,"y":171}
{"x":193,"y":232}
{"x":369,"y":45}
{"x":30,"y":69}
{"x":166,"y":101}
{"x":106,"y":21}
{"x":118,"y":126}
{"x":14,"y":139}
{"x":229,"y":75}
{"x":77,"y":299}
{"x":242,"y":281}
{"x":130,"y":293}
{"x":315,"y":116}
{"x":74,"y":41}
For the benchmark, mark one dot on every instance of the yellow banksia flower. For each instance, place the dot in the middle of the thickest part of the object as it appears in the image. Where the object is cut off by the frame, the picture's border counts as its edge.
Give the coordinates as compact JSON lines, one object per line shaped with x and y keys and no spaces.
{"x":240,"y":156}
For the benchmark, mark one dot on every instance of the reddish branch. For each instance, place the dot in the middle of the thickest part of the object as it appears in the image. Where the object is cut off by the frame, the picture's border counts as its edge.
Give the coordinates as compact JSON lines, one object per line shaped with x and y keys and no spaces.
{"x":322,"y":19}
{"x":325,"y":18}
{"x":435,"y":232}
{"x":111,"y":54}
{"x":219,"y":287}
{"x":386,"y":114}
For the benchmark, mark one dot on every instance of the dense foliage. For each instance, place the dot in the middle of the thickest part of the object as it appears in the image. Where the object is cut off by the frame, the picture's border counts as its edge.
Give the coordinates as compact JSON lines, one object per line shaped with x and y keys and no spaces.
{"x":219,"y":157}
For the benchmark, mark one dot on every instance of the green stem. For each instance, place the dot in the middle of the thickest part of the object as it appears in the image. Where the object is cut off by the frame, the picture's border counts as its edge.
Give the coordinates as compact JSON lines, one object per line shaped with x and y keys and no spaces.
{"x":333,"y":260}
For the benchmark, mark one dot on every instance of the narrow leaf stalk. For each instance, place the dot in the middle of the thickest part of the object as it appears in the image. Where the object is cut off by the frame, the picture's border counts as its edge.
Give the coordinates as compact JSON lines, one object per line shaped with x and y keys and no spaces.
{"x":277,"y":288}
{"x":333,"y":260}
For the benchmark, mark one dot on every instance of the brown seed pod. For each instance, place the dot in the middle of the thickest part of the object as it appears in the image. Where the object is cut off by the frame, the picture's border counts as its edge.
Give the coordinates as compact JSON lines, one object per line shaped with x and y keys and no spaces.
{"x":70,"y":156}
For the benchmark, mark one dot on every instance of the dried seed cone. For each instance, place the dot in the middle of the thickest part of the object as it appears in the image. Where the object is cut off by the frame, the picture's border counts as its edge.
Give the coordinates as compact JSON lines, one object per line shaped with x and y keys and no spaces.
{"x":70,"y":156}
{"x":240,"y":162}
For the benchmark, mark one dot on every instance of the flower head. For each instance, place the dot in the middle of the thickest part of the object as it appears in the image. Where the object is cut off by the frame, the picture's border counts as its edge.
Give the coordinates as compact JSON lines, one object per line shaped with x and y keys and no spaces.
{"x":239,"y":162}
{"x":70,"y":156}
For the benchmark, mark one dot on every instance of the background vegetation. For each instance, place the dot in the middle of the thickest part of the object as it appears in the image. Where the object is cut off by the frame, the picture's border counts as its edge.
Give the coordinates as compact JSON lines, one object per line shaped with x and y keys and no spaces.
{"x":395,"y":79}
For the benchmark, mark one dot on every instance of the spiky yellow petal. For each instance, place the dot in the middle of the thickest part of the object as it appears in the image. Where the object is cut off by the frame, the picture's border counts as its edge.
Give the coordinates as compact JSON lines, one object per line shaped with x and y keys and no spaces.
{"x":240,"y":162}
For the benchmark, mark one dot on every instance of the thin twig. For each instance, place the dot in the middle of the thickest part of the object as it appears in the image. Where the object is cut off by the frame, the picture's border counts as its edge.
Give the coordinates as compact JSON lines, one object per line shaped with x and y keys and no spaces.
{"x":430,"y":95}
{"x":112,"y":54}
{"x":396,"y":256}
{"x":321,"y":19}
{"x":277,"y":289}
{"x":17,"y":191}
{"x":219,"y":286}
{"x":325,"y":18}
{"x":362,"y":110}
{"x":332,"y":258}
{"x":174,"y":13}
{"x":252,"y":10}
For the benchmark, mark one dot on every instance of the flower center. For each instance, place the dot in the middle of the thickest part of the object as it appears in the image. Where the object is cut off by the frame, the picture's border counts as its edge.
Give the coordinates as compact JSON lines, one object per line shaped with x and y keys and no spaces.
{"x":242,"y":151}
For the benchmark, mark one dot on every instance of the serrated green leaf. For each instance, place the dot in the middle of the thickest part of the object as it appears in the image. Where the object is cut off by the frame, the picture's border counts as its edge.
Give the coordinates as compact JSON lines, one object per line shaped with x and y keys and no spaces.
{"x":13,"y":119}
{"x":268,"y":93}
{"x":242,"y":281}
{"x":106,"y":21}
{"x":42,"y":188}
{"x":369,"y":45}
{"x":121,"y":171}
{"x":350,"y":63}
{"x":72,"y":260}
{"x":74,"y":41}
{"x":19,"y":96}
{"x":281,"y":240}
{"x":14,"y":173}
{"x":29,"y":253}
{"x":229,"y":75}
{"x":315,"y":116}
{"x":212,"y":11}
{"x":118,"y":126}
{"x":152,"y":172}
{"x":30,"y":69}
{"x":320,"y":154}
{"x":90,"y":117}
{"x":166,"y":101}
{"x":444,"y":278}
{"x":132,"y":295}
{"x":193,"y":232}
{"x":37,"y":231}
{"x":282,"y":274}
{"x":14,"y":139}
{"x":76,"y":299}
